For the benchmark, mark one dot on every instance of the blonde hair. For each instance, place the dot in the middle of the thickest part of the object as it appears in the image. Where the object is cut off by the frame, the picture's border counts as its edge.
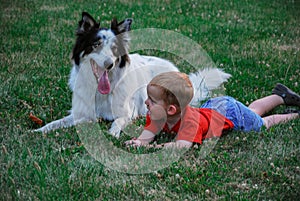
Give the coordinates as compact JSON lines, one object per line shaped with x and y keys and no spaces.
{"x":176,"y":86}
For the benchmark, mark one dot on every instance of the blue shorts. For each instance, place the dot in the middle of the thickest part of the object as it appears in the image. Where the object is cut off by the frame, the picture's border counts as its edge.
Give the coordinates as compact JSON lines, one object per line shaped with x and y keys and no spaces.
{"x":241,"y":116}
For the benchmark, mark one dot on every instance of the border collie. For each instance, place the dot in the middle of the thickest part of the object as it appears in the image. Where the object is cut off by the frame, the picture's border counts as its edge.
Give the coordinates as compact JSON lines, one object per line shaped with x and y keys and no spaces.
{"x":109,"y":83}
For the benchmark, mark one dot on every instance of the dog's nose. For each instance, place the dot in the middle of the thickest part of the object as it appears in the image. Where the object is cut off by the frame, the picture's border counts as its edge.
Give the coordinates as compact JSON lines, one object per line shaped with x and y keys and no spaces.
{"x":108,"y":65}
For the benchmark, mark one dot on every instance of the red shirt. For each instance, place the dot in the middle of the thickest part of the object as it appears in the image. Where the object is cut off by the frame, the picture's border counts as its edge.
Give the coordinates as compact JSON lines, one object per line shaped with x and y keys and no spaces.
{"x":195,"y":125}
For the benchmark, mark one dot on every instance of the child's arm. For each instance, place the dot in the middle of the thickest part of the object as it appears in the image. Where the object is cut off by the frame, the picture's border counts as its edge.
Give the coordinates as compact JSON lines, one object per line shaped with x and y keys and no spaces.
{"x":144,"y":139}
{"x":177,"y":144}
{"x":147,"y":136}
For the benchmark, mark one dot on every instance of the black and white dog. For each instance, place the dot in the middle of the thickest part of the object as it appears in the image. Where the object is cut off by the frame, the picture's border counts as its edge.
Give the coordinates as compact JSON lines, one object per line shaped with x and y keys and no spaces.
{"x":107,"y":82}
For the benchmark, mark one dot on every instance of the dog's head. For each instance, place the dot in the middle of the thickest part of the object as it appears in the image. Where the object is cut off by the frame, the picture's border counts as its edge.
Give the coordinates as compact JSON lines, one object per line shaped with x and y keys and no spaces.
{"x":103,"y":48}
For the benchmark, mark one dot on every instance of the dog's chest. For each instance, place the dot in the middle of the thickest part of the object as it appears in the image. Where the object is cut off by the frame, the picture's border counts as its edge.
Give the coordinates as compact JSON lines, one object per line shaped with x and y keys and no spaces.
{"x":104,"y":107}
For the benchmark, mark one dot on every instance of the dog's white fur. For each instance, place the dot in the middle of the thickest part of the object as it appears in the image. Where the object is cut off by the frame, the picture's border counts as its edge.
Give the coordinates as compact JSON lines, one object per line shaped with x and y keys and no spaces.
{"x":125,"y":100}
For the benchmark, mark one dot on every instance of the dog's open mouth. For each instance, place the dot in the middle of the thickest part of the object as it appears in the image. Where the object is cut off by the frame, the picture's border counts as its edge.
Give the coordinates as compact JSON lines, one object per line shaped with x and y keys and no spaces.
{"x":102,"y":78}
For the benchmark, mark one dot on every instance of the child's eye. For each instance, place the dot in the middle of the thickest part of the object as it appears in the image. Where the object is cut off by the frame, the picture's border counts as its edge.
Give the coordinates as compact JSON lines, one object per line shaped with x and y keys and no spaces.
{"x":152,"y":101}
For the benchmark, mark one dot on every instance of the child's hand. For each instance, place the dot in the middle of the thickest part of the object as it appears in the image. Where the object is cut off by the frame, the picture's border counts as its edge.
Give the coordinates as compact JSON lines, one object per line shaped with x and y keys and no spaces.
{"x":133,"y":143}
{"x":143,"y":140}
{"x":138,"y":143}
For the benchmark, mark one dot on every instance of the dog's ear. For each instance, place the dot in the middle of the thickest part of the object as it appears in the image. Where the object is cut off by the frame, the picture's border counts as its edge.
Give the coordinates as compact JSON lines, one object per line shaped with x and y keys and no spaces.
{"x":121,"y":27}
{"x":86,"y":23}
{"x":122,"y":38}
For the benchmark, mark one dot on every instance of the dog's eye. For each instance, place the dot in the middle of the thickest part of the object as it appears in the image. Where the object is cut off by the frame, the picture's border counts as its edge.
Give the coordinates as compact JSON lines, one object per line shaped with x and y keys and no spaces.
{"x":97,"y":44}
{"x":114,"y":48}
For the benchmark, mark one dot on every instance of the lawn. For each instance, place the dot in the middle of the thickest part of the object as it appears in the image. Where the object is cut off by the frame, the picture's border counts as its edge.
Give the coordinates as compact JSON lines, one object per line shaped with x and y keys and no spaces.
{"x":258,"y":42}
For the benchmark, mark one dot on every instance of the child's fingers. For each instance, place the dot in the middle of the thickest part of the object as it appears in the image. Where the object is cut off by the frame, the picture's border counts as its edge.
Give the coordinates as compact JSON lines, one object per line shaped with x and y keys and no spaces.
{"x":128,"y":142}
{"x":133,"y":143}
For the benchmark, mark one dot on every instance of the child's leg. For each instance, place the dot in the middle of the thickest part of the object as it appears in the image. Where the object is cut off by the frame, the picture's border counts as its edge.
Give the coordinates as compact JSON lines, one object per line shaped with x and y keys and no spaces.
{"x":281,"y":95}
{"x":272,"y":120}
{"x":266,"y":104}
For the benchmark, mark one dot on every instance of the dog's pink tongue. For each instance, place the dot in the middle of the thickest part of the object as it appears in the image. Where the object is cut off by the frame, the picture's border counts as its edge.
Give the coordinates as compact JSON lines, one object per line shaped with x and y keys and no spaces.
{"x":104,"y":85}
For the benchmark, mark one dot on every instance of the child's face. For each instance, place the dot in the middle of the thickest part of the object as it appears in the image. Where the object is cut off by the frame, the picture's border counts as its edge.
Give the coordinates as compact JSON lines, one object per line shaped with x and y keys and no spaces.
{"x":155,"y":104}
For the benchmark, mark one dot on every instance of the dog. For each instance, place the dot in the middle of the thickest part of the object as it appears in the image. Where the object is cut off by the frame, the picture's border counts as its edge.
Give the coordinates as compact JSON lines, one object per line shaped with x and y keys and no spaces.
{"x":109,"y":83}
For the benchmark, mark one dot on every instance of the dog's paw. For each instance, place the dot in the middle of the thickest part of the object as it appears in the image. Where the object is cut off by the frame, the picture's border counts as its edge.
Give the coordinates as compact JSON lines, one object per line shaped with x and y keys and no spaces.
{"x":39,"y":130}
{"x":117,"y":125}
{"x":115,"y":131}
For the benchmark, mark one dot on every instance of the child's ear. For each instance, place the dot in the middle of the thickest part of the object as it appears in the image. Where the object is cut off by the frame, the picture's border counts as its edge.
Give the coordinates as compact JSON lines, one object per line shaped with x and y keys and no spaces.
{"x":172,"y":109}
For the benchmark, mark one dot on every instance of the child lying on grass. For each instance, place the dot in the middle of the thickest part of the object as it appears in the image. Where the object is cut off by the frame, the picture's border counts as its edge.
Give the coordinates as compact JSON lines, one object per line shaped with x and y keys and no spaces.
{"x":168,"y":107}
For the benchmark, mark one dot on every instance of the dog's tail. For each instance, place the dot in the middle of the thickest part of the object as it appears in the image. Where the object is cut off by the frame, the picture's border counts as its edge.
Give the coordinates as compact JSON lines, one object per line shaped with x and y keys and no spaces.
{"x":206,"y":80}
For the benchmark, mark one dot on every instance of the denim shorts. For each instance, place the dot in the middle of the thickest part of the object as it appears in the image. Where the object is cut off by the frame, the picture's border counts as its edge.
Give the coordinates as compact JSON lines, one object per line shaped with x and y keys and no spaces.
{"x":241,"y":116}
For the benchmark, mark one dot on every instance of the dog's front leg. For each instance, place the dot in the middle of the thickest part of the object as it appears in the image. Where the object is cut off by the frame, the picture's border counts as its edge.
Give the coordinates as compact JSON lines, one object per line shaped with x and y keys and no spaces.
{"x":65,"y":122}
{"x":83,"y":99}
{"x":117,"y":126}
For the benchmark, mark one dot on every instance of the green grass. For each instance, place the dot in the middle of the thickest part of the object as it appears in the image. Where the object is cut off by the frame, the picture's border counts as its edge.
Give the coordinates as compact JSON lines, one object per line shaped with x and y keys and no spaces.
{"x":258,"y":42}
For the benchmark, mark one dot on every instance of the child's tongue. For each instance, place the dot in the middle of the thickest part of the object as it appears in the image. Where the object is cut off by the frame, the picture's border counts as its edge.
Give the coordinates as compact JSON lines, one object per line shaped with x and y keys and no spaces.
{"x":104,"y":85}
